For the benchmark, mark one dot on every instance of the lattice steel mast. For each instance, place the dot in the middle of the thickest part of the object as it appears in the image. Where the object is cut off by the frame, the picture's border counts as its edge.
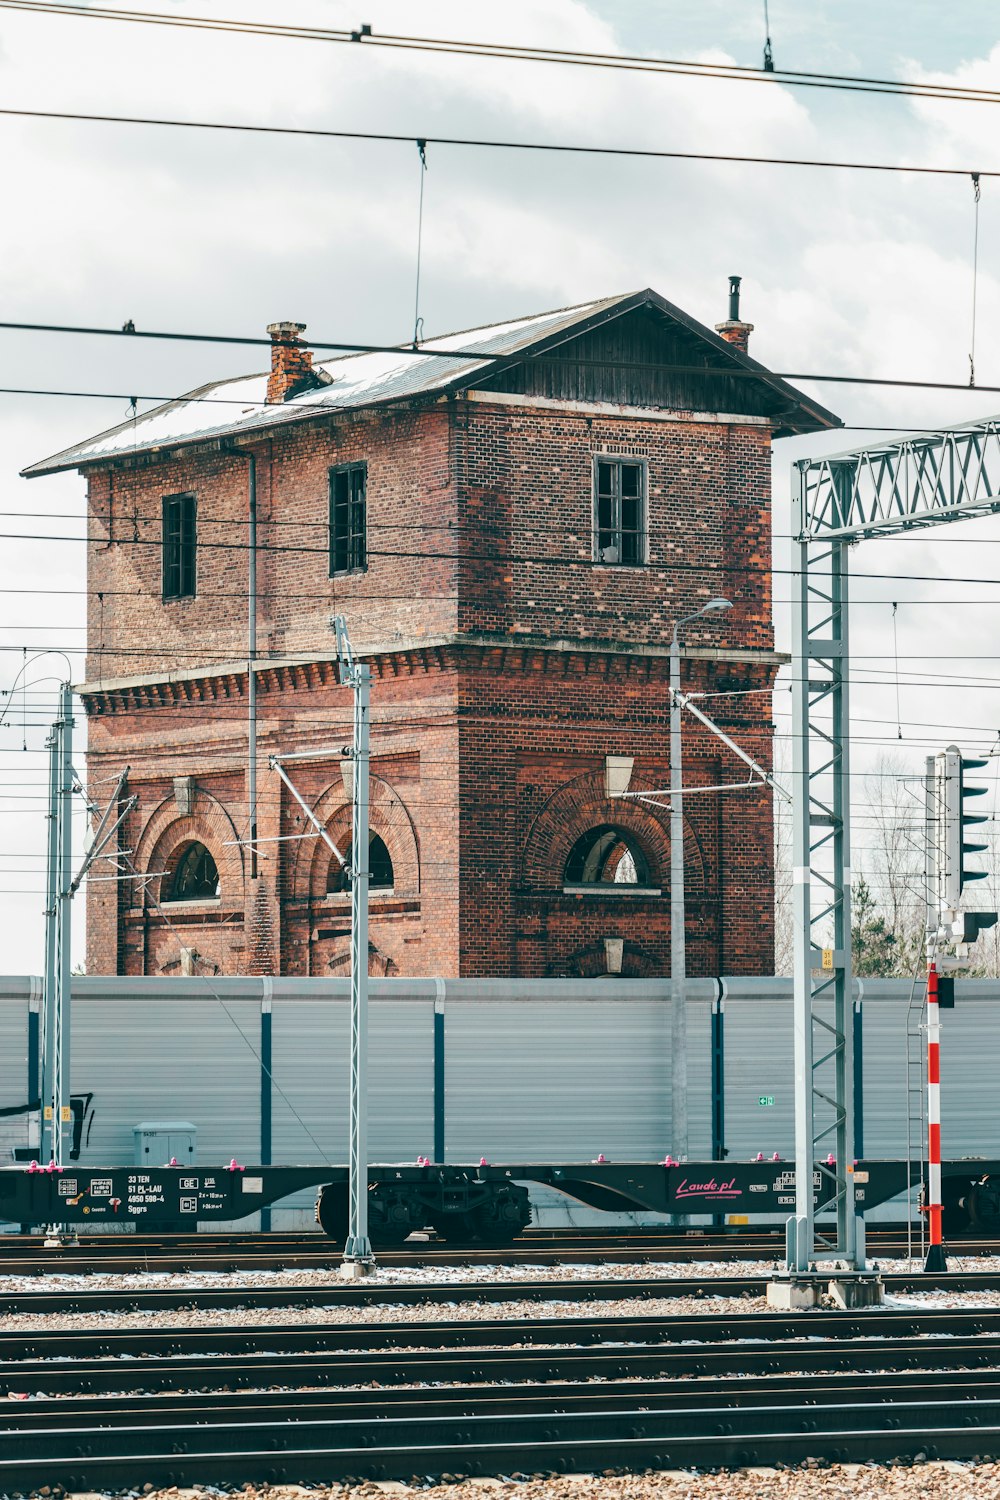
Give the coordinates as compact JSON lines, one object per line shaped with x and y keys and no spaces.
{"x":893,"y":487}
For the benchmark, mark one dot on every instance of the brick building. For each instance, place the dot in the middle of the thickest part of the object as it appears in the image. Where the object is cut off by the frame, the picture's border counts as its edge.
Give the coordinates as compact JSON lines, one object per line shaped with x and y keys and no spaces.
{"x":511,"y":519}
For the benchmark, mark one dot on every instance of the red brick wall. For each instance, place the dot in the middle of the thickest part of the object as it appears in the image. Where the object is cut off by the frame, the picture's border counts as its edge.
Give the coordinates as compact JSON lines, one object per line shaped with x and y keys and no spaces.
{"x":413,"y":767}
{"x":527,"y":497}
{"x":404,"y":594}
{"x":536,"y":728}
{"x":487,"y":759}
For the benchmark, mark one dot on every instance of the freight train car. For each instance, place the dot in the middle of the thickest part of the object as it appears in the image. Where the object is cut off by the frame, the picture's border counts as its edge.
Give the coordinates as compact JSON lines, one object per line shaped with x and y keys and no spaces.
{"x":525,"y":1070}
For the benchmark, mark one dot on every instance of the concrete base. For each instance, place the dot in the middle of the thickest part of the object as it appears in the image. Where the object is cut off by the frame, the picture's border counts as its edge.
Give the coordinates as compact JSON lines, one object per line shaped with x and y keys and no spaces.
{"x":797,"y":1291}
{"x":356,"y":1270}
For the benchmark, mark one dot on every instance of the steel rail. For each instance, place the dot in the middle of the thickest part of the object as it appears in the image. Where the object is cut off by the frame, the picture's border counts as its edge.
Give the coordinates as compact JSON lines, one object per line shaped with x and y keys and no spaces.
{"x":416,"y":1294}
{"x":644,"y":1329}
{"x":319,"y":1252}
{"x":399,"y":1448}
{"x":253,"y":1406}
{"x":399,"y":1367}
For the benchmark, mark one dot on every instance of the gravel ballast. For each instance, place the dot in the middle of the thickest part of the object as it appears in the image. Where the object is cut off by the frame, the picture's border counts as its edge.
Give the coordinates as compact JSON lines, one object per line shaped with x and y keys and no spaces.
{"x":931,"y":1481}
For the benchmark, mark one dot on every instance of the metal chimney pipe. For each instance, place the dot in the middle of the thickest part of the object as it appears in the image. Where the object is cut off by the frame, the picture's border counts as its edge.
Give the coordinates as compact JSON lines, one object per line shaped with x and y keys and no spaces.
{"x":734,"y":298}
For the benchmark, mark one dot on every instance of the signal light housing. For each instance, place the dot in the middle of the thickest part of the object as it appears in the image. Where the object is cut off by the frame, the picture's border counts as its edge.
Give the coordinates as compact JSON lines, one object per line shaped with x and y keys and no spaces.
{"x":956,"y":875}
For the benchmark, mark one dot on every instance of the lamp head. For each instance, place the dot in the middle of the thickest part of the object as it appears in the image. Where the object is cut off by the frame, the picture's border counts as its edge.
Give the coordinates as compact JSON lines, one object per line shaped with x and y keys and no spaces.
{"x":716,"y":604}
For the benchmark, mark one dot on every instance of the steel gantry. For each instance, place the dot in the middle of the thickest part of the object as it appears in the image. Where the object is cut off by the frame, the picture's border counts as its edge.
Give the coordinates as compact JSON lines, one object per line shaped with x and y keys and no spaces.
{"x":914,"y":482}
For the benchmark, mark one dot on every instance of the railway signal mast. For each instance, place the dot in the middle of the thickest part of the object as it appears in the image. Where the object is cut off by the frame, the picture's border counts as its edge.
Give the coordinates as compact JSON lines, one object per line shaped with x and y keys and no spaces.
{"x":947,"y":875}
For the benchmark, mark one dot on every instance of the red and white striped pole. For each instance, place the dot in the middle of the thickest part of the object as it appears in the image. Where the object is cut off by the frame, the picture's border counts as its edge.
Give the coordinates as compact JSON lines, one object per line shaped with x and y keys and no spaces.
{"x":935,"y":1250}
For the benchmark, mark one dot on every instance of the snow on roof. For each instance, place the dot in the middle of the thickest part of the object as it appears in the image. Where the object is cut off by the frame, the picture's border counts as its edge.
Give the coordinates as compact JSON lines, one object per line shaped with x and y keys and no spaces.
{"x":233,"y":407}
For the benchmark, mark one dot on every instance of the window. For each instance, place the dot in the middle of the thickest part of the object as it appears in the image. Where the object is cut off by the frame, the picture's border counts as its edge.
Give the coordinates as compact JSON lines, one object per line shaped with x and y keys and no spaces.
{"x":348,"y":544}
{"x":607,"y":856}
{"x":619,"y":511}
{"x":380,"y":876}
{"x":196,"y":876}
{"x":180,"y":542}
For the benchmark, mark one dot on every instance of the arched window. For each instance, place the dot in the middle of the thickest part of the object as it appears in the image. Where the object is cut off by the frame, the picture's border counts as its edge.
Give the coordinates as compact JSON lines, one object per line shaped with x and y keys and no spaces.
{"x":607,"y":856}
{"x":195,"y":876}
{"x":379,"y":865}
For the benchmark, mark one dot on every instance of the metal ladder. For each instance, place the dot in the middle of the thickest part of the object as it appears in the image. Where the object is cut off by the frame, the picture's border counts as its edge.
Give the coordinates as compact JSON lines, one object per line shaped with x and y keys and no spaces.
{"x":916,"y":1102}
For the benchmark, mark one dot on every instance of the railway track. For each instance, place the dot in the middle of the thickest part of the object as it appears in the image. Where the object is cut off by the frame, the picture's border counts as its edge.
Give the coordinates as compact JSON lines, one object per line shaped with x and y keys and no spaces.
{"x":262,"y":1252}
{"x":847,"y":1386}
{"x":338,"y":1294}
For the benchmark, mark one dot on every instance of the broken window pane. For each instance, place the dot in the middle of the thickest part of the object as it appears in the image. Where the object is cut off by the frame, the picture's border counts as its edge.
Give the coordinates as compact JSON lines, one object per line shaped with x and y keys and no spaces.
{"x":619,"y":512}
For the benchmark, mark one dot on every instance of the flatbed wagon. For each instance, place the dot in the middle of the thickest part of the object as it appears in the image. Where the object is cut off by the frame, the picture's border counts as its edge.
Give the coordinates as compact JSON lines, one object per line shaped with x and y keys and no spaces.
{"x":490,"y":1202}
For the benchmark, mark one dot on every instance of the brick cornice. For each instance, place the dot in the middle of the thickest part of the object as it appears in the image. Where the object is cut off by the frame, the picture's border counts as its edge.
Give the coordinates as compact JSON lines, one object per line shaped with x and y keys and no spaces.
{"x":521,"y":652}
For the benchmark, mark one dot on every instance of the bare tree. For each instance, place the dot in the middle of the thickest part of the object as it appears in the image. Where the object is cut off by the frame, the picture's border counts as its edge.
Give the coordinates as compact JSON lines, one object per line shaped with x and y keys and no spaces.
{"x":889,"y":840}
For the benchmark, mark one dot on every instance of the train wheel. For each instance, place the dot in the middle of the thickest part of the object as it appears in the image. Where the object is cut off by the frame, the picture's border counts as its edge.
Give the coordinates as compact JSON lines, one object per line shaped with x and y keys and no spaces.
{"x":457,"y":1229}
{"x":388,"y":1236}
{"x":501,"y":1219}
{"x":331,"y":1212}
{"x":955,"y":1206}
{"x":983,"y":1203}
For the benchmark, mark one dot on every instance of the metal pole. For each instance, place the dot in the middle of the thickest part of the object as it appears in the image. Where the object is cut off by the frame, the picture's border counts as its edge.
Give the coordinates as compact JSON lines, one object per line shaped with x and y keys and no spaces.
{"x":252,"y":658}
{"x":48,"y":1028}
{"x":62,"y":1123}
{"x":678,"y":963}
{"x":799,"y":1230}
{"x":849,"y":1241}
{"x":935,"y":1250}
{"x":357,"y":1249}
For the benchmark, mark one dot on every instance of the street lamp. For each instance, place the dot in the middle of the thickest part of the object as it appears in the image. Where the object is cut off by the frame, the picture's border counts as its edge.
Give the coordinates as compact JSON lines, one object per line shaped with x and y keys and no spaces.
{"x":678,"y":970}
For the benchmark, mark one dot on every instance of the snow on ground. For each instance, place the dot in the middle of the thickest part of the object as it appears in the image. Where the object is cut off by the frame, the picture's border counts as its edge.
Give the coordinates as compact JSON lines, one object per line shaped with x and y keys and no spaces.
{"x":417,"y":1275}
{"x":438,"y":1312}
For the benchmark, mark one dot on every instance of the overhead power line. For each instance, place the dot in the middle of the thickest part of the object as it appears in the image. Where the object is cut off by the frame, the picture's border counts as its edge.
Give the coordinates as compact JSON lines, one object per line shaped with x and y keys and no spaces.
{"x":487,"y":144}
{"x":515,"y":52}
{"x":496,"y":558}
{"x":425,"y":351}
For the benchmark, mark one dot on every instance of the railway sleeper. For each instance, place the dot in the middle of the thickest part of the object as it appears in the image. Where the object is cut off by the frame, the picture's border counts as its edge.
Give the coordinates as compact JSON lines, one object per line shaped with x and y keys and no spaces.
{"x":464,"y":1211}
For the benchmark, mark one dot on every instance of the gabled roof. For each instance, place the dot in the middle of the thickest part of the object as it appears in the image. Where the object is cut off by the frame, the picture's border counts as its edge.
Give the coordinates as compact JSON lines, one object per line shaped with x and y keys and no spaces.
{"x":235,"y":408}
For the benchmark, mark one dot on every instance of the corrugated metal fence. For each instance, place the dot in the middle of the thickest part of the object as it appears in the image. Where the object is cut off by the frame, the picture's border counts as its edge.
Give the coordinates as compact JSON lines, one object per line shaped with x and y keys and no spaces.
{"x":543,"y":1069}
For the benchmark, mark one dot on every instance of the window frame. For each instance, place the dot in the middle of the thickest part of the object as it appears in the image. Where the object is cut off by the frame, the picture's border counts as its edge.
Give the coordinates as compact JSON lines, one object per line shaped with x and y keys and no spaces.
{"x":356,"y":541}
{"x":376,"y":892}
{"x":620,"y":461}
{"x":175,"y":863}
{"x":184,"y":565}
{"x":613,"y":888}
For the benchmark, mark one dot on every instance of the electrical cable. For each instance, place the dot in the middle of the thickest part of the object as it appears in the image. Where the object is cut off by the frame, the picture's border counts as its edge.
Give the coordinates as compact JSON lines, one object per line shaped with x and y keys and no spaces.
{"x":427,"y":350}
{"x":977,"y":192}
{"x":490,"y":144}
{"x":497,"y":559}
{"x":418,"y":322}
{"x":514,"y":52}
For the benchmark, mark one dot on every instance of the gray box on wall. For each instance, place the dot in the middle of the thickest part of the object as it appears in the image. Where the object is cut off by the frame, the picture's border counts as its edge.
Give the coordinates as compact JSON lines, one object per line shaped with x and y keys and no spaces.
{"x":157,"y":1143}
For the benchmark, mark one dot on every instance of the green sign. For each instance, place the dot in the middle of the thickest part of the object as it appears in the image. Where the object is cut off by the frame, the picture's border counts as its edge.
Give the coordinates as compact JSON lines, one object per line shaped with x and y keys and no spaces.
{"x":765,"y":1100}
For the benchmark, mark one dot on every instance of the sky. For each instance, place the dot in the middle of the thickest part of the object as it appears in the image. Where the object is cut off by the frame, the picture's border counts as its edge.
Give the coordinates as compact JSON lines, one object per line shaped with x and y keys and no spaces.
{"x":843,"y":272}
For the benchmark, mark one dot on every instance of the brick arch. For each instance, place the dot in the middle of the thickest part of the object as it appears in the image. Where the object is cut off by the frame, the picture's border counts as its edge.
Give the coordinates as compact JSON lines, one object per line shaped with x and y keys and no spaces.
{"x":581,"y":804}
{"x":388,"y":817}
{"x":591,"y":962}
{"x":207,"y":823}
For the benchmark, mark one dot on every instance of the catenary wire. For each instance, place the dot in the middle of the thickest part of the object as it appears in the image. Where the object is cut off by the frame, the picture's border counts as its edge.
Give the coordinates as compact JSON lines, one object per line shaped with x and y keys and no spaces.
{"x":423,"y":351}
{"x":495,"y":559}
{"x":485,"y":143}
{"x":517,"y":52}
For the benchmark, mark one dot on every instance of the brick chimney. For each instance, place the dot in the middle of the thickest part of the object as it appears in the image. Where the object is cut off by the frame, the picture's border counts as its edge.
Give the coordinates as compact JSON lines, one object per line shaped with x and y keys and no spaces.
{"x":291,"y":362}
{"x":733,"y":330}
